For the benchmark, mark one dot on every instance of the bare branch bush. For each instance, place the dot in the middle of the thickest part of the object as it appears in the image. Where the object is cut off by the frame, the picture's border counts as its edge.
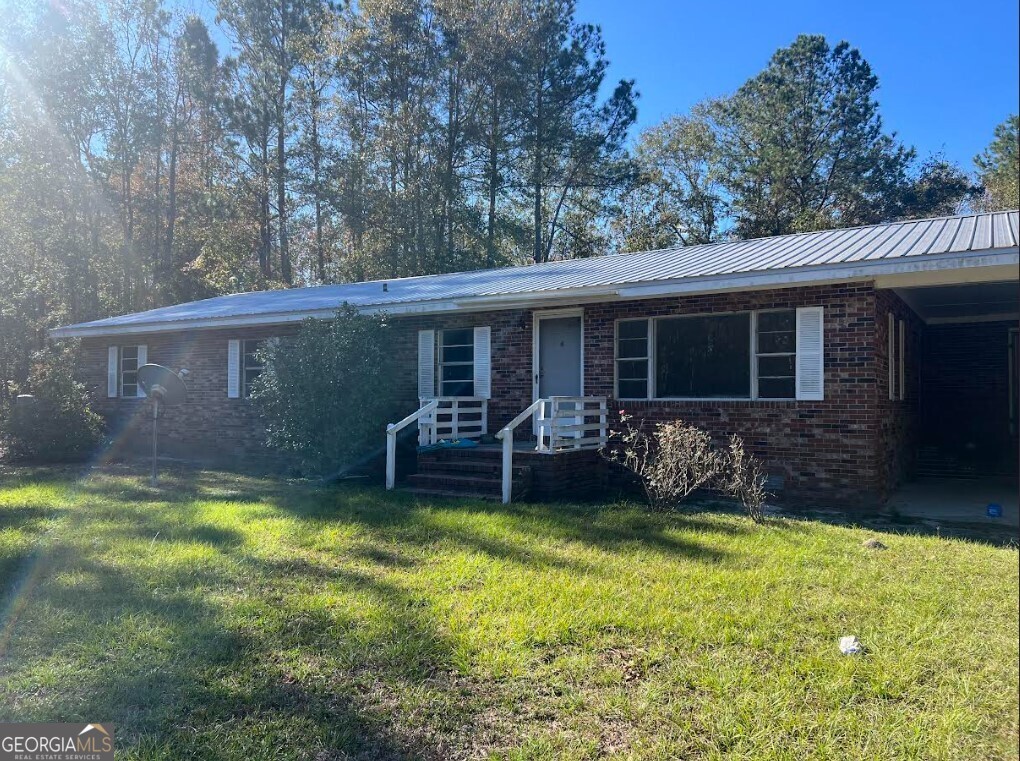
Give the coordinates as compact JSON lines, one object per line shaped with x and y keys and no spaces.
{"x":678,"y":458}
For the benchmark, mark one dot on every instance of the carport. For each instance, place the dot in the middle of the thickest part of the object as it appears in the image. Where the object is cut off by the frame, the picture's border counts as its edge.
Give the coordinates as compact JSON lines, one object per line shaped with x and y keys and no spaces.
{"x":965,"y":436}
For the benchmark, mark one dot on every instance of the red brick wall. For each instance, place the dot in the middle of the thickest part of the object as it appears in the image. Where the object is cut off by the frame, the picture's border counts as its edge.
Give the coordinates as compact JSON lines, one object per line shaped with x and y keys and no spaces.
{"x":829,"y":448}
{"x":817,"y":447}
{"x":897,"y":419}
{"x":209,"y":426}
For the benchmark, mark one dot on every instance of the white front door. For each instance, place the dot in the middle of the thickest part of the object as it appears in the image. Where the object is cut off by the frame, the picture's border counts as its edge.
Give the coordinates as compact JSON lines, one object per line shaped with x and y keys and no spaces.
{"x":558,"y":354}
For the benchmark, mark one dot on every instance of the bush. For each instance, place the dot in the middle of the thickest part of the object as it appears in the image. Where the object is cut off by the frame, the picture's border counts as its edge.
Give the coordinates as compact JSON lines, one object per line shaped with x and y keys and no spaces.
{"x":679,"y":458}
{"x":327,"y":393}
{"x":60,"y":425}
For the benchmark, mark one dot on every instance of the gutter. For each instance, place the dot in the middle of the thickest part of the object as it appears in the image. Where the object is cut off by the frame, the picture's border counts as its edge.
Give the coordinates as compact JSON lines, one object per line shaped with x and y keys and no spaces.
{"x":861,"y":271}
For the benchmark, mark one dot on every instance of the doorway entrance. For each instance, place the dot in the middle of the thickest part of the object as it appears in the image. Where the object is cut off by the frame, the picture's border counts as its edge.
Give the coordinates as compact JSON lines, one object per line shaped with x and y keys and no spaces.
{"x":558,"y":354}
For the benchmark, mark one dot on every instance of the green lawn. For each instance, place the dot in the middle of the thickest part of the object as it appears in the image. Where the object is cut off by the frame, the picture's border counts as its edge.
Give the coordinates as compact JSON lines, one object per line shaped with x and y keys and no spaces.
{"x":229,"y":617}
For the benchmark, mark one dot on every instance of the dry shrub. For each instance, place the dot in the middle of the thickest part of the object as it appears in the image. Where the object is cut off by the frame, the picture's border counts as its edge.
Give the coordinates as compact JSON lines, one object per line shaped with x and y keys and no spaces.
{"x":678,"y":458}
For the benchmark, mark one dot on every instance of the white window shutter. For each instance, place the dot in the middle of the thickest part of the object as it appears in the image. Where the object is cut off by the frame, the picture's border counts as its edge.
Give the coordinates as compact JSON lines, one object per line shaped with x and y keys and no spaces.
{"x":112,"y":371}
{"x":483,"y":362}
{"x":811,"y":353}
{"x":426,"y":364}
{"x":233,"y":368}
{"x":143,"y":359}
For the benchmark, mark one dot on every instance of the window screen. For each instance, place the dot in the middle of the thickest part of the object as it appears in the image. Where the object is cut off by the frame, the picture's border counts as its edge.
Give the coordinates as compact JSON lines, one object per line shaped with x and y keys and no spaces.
{"x":703,"y":357}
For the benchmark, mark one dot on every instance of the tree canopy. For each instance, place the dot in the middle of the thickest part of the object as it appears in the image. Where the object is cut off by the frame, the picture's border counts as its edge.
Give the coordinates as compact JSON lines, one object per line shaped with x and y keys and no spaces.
{"x":800,"y":146}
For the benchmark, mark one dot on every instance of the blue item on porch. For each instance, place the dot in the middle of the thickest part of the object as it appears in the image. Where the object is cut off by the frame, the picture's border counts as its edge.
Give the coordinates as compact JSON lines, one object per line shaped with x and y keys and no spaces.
{"x":449,"y":444}
{"x":994,"y":511}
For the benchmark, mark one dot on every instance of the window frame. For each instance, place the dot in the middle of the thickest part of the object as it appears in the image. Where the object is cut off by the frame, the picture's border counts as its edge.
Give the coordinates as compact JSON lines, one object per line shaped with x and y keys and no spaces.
{"x":244,"y":368}
{"x":757,"y":355}
{"x":441,"y":365}
{"x":649,"y":358}
{"x":653,"y":322}
{"x":121,"y":371}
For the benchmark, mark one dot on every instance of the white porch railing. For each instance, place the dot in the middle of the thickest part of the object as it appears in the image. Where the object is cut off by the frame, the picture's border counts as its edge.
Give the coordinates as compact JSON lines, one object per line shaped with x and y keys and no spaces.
{"x":391,"y":438}
{"x":572,"y":422}
{"x":445,"y":417}
{"x":454,"y":417}
{"x":565,"y":423}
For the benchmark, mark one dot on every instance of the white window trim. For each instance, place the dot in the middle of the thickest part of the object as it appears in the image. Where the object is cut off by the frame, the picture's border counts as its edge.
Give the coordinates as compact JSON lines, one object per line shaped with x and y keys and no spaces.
{"x":242,"y":368}
{"x":891,"y":359}
{"x":653,"y":322}
{"x":902,"y":360}
{"x":141,"y":358}
{"x":616,"y":357}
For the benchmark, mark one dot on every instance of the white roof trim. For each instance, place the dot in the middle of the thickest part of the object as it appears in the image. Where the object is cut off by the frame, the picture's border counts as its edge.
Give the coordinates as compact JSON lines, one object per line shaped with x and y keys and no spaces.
{"x":778,"y":278}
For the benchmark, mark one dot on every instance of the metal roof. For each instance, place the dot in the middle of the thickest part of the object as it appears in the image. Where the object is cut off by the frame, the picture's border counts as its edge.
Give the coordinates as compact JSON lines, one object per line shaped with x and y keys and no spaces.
{"x":786,"y":259}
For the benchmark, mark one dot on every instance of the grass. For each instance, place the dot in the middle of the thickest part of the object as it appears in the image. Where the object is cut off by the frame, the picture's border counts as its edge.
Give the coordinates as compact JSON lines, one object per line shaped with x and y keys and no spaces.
{"x":228,"y":617}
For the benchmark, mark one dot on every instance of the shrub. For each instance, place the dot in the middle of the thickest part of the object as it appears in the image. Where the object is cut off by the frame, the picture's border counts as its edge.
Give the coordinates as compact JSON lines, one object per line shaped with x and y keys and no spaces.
{"x":60,"y":425}
{"x":679,"y":458}
{"x":327,"y":393}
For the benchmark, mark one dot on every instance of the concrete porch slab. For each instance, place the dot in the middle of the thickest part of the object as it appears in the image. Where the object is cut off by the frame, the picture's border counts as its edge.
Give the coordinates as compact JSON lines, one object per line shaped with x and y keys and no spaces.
{"x":948,"y":500}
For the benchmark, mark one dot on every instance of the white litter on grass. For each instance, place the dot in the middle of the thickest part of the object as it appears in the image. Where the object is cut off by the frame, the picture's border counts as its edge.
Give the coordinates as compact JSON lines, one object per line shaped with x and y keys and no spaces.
{"x":850,"y":645}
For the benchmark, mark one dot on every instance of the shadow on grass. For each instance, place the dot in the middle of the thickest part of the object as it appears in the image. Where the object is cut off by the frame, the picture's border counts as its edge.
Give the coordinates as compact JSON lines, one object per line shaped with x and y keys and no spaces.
{"x":185,"y":673}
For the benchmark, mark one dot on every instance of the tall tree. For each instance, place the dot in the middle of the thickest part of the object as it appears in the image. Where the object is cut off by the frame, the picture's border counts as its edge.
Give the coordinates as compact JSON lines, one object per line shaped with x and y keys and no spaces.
{"x":999,"y":167}
{"x":678,"y":197}
{"x":572,"y":141}
{"x":803,"y":144}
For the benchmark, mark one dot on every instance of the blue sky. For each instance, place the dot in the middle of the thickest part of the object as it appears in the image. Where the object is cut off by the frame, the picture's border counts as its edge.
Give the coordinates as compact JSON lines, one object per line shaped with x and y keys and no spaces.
{"x":948,"y":71}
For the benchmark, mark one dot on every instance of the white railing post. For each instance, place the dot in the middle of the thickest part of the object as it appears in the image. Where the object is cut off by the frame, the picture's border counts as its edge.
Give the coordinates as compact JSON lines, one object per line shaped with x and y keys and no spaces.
{"x":508,"y":466}
{"x":391,"y":456}
{"x":391,"y":439}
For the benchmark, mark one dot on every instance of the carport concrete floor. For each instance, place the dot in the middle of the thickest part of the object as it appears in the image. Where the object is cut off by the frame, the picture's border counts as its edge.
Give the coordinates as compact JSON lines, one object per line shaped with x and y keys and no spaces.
{"x":951,"y":500}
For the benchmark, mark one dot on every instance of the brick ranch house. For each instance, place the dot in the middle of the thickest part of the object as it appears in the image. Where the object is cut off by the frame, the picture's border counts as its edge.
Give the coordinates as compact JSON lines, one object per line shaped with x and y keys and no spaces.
{"x":849,"y":360}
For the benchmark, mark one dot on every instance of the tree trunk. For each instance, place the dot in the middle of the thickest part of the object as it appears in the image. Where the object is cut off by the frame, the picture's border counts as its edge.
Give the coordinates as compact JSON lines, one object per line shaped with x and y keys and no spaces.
{"x":490,"y":226}
{"x":537,"y":184}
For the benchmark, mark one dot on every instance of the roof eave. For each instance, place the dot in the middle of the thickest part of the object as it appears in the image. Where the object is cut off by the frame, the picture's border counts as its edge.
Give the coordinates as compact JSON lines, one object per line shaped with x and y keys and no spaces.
{"x":778,"y":278}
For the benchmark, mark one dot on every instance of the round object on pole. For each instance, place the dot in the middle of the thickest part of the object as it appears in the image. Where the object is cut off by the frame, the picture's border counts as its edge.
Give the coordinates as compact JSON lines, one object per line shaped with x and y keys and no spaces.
{"x":163,"y":387}
{"x":162,"y":383}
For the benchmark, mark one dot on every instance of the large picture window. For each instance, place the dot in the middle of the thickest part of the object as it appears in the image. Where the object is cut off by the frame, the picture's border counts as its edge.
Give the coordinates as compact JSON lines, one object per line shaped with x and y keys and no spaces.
{"x":750,"y":355}
{"x":457,"y":362}
{"x":703,"y":357}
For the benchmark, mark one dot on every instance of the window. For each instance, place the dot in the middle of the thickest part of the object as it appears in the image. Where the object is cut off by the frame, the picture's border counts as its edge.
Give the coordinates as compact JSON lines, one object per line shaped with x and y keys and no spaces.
{"x":251,"y":364}
{"x":457,"y":362}
{"x":903,"y":365}
{"x":632,"y":357}
{"x":129,"y":371}
{"x":703,"y":357}
{"x":776,"y":354}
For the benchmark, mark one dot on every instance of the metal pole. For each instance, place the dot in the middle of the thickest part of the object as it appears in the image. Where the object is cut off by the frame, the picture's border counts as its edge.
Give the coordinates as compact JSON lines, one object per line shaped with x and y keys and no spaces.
{"x":155,"y":416}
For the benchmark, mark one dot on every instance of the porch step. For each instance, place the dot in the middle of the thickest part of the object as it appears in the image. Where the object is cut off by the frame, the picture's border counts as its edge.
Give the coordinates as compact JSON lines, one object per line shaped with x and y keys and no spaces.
{"x":492,"y":485}
{"x":449,"y":493}
{"x":469,"y":467}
